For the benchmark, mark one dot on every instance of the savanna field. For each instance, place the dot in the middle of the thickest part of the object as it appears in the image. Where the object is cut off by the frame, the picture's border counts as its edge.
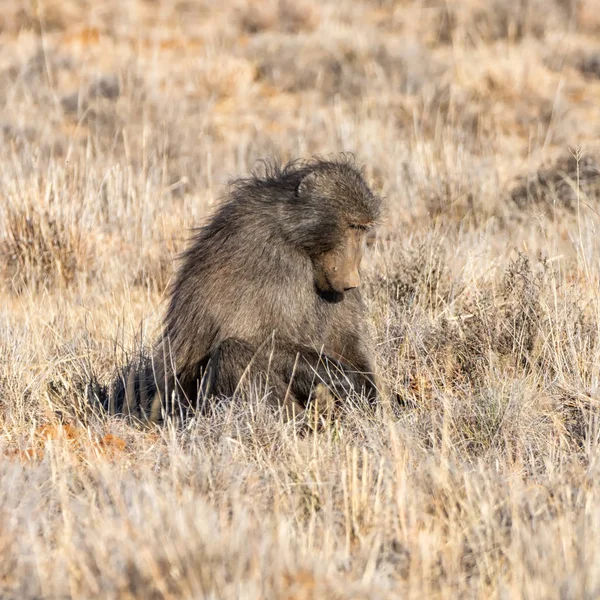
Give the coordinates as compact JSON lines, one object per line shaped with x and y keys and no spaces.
{"x":479,"y":123}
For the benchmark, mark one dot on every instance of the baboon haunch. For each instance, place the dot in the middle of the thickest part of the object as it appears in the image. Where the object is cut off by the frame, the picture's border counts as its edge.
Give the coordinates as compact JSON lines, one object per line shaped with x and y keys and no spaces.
{"x":269,"y":287}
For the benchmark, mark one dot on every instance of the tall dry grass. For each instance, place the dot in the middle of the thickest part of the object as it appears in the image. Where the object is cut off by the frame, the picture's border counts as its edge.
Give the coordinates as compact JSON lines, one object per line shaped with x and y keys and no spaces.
{"x":120,"y":124}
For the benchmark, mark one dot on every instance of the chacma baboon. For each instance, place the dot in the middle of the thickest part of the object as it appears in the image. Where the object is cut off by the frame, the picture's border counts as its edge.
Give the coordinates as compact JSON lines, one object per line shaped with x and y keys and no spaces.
{"x":268,"y":287}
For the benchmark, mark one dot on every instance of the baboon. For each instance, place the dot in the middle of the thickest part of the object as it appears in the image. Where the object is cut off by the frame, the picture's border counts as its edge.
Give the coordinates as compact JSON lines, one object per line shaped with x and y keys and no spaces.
{"x":268,"y":288}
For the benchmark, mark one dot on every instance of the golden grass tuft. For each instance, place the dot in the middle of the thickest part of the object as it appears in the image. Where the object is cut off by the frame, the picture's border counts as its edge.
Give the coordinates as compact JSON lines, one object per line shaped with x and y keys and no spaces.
{"x":39,"y":250}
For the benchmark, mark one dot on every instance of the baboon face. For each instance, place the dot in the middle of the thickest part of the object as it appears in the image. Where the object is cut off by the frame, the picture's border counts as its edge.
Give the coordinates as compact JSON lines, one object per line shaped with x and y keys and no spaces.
{"x":337,"y":211}
{"x":338,"y":269}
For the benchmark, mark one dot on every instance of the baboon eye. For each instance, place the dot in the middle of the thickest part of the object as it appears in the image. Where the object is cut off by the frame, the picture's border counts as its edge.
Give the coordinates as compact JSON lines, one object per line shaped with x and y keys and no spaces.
{"x":359,"y":227}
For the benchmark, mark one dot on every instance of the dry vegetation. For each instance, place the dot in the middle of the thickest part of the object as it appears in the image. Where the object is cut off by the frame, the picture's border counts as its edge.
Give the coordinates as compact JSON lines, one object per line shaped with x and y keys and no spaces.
{"x":479,"y":121}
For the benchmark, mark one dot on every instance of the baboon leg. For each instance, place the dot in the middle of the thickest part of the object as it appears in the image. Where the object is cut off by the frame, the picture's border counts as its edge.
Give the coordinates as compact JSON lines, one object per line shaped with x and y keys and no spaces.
{"x":235,"y":362}
{"x":130,"y":399}
{"x":305,"y":368}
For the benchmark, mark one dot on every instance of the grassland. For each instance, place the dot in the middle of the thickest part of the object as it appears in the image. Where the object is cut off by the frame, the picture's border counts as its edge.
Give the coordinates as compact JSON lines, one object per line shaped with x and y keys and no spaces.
{"x":120,"y":124}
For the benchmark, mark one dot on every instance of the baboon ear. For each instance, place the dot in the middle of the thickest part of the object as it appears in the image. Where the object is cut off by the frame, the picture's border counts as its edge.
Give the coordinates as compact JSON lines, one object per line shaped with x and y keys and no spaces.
{"x":307,"y":184}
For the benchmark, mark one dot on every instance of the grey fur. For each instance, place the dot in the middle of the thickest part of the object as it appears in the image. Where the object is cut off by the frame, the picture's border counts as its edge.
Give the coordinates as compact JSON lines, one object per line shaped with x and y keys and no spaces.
{"x":244,"y":301}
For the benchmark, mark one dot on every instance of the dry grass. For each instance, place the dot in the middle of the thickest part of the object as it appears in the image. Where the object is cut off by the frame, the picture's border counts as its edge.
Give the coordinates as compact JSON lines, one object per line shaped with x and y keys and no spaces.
{"x":479,"y":122}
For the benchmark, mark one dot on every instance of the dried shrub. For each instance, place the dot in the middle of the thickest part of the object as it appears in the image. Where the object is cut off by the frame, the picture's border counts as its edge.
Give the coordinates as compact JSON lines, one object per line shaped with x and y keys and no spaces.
{"x":107,"y":86}
{"x":279,"y":15}
{"x":489,"y":330}
{"x":475,"y":22}
{"x":506,"y":324}
{"x":419,"y":276}
{"x":347,"y":65}
{"x":41,"y":250}
{"x":556,"y":186}
{"x":74,"y":393}
{"x":496,"y":367}
{"x":590,"y":65}
{"x":222,"y":77}
{"x":520,"y":294}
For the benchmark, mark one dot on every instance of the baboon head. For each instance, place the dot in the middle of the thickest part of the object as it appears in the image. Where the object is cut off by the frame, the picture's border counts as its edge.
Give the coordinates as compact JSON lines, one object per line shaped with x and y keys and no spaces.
{"x":342,"y":210}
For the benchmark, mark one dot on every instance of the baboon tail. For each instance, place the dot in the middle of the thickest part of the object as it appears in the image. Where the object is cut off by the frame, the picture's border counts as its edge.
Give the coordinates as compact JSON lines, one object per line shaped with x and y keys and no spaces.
{"x":143,"y":393}
{"x":134,"y":393}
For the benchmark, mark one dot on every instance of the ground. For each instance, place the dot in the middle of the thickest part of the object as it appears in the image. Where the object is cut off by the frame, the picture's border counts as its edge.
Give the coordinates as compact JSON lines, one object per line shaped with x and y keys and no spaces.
{"x":478,"y":121}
